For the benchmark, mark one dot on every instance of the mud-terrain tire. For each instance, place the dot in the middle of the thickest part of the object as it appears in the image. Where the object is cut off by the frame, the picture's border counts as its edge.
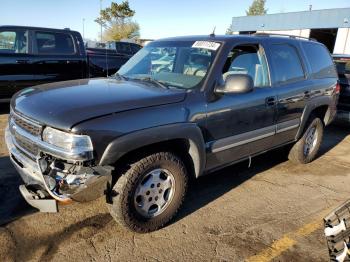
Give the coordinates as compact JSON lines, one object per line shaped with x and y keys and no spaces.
{"x":305,"y":150}
{"x":150,"y":192}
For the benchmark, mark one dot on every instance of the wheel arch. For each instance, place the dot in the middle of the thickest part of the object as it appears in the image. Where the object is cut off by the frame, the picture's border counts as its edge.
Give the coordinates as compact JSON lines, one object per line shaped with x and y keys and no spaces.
{"x":185,"y":139}
{"x":321,"y":109}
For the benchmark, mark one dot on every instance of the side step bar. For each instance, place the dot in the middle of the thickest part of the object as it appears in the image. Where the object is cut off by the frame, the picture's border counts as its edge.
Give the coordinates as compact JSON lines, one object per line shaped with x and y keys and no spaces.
{"x":38,"y":201}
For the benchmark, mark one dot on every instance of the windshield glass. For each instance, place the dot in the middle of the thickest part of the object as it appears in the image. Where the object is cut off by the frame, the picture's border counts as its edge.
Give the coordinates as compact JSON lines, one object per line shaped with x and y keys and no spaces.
{"x":181,"y":64}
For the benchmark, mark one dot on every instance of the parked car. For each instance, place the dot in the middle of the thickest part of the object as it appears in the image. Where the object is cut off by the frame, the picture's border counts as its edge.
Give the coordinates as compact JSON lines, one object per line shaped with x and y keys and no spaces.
{"x":31,"y":56}
{"x":139,"y":136}
{"x":343,"y":68}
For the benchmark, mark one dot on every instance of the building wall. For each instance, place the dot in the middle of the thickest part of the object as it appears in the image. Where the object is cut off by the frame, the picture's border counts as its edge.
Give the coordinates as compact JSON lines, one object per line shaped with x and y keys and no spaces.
{"x":327,"y":18}
{"x":342,"y":43}
{"x":300,"y":24}
{"x":299,"y":32}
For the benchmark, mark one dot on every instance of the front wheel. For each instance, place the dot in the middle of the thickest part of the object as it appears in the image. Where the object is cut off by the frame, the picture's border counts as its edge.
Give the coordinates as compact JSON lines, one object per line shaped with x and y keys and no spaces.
{"x":150,"y":192}
{"x":306,"y":149}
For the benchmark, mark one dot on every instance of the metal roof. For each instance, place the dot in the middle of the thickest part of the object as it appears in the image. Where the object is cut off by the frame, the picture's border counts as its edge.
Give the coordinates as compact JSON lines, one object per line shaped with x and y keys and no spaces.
{"x":326,"y":18}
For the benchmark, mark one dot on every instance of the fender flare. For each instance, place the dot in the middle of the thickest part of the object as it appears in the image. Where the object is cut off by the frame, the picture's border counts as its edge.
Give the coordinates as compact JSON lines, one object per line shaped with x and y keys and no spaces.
{"x":320,"y":101}
{"x":132,"y":141}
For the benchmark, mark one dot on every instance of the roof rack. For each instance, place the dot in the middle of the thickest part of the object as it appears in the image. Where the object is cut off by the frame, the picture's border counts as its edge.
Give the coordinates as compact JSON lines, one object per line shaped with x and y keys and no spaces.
{"x":285,"y":35}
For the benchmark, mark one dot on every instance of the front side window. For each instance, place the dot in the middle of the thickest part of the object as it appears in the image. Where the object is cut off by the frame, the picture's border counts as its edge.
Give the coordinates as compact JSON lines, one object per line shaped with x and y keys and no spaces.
{"x":181,"y":64}
{"x":54,"y":43}
{"x":286,"y":63}
{"x":14,"y":42}
{"x":250,"y":60}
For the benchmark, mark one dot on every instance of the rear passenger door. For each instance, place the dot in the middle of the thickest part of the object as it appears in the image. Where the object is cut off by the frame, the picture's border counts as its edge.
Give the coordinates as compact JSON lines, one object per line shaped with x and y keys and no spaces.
{"x":57,"y":57}
{"x":292,"y":87}
{"x":16,"y":70}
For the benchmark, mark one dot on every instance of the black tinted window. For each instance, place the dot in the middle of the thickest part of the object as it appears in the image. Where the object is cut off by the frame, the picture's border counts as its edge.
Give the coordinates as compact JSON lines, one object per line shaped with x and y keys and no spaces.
{"x":14,"y":42}
{"x":320,"y":60}
{"x":54,"y":43}
{"x":343,"y":66}
{"x":123,"y":48}
{"x":286,"y":64}
{"x":135,"y":48}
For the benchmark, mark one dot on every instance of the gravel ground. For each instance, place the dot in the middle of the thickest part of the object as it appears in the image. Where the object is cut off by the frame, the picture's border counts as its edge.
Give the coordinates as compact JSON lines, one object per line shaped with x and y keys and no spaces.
{"x":271,"y":211}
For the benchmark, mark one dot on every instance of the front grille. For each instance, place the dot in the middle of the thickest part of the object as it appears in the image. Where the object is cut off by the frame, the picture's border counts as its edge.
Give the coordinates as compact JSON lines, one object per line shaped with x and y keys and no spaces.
{"x":24,"y":144}
{"x":26,"y":124}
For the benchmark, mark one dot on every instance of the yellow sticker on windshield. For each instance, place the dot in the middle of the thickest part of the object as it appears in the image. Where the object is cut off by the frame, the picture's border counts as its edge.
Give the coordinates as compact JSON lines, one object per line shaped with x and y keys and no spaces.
{"x":206,"y":45}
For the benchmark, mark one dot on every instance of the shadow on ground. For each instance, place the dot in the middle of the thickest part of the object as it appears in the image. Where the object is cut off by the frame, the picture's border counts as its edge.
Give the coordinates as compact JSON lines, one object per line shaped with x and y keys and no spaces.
{"x":12,"y":204}
{"x":4,"y":108}
{"x":209,"y":188}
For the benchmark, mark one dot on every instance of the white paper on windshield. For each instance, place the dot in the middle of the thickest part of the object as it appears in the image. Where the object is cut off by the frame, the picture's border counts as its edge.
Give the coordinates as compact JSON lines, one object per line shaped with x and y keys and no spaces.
{"x":206,"y":45}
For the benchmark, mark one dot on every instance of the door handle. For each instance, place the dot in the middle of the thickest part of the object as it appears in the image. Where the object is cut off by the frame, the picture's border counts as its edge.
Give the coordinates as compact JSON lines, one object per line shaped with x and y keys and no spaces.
{"x":270,"y":101}
{"x":22,"y":61}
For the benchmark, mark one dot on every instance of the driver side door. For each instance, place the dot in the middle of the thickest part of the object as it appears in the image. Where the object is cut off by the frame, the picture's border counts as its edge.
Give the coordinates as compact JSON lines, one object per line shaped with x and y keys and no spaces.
{"x":240,"y":125}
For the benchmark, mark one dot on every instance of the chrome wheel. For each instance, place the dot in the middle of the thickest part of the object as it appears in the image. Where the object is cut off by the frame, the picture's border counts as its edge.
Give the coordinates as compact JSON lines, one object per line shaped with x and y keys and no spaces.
{"x":154,"y":193}
{"x":310,"y":141}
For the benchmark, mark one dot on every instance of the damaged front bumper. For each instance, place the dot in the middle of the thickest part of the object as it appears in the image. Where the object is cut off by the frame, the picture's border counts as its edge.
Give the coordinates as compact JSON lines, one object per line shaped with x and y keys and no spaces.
{"x":49,"y":180}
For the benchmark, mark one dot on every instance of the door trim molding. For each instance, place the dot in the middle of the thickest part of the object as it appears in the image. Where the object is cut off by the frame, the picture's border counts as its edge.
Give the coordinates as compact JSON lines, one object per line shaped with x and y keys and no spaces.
{"x":287,"y":125}
{"x":251,"y":136}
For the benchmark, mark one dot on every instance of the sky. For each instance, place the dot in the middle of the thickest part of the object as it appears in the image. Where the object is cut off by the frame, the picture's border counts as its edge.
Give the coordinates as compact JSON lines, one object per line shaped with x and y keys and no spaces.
{"x":157,"y":18}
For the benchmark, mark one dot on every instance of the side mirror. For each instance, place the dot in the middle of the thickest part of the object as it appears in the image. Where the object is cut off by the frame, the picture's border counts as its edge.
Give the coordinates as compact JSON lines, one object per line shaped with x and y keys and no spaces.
{"x":236,"y":84}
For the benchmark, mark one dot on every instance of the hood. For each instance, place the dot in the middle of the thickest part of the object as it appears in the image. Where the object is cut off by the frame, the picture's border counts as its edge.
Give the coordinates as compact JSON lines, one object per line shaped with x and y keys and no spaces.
{"x":64,"y":104}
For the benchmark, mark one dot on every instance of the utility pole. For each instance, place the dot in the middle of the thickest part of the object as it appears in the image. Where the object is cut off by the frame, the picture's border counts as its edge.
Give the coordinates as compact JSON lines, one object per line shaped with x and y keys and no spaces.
{"x":83,"y":28}
{"x":100,"y":14}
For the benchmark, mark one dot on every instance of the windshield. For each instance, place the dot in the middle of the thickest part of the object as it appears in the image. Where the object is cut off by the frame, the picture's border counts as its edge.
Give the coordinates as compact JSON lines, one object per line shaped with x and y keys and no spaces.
{"x":181,"y":64}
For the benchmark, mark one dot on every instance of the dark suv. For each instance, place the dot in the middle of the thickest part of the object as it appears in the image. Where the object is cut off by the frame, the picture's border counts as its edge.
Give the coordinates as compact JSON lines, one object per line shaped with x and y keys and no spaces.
{"x":180,"y":108}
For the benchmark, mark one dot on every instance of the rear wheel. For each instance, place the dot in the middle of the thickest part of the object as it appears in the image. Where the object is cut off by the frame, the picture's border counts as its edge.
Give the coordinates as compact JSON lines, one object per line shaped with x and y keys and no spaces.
{"x":306,"y":149}
{"x":150,"y":192}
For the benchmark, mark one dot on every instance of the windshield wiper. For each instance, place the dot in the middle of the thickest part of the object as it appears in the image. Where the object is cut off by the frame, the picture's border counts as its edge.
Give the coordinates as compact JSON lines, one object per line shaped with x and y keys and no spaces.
{"x":153,"y":81}
{"x":119,"y":76}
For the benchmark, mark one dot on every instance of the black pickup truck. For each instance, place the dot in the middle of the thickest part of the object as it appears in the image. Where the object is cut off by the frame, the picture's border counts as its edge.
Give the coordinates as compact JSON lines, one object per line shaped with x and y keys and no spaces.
{"x":31,"y":56}
{"x":180,"y":108}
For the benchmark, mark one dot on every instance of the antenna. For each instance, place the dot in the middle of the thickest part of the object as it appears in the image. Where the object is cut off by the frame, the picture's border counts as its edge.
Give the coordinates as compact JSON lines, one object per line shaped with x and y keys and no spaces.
{"x":213,"y":33}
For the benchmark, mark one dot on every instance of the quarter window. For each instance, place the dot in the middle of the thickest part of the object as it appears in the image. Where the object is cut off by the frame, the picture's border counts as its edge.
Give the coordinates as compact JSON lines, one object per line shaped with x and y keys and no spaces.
{"x":286,"y":64}
{"x":250,"y":60}
{"x":14,"y":42}
{"x":54,"y":43}
{"x":320,"y":60}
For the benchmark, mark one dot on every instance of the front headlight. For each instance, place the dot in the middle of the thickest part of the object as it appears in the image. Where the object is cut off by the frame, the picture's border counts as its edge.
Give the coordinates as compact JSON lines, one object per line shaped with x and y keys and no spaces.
{"x":67,"y":141}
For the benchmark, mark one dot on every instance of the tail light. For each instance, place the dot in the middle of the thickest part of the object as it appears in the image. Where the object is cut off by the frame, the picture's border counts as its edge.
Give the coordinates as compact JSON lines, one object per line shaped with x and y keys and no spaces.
{"x":337,"y":88}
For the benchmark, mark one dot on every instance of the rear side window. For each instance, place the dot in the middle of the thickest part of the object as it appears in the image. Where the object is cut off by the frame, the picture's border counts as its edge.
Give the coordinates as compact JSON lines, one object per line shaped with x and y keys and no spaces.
{"x":320,"y":60}
{"x":54,"y":43}
{"x":14,"y":42}
{"x":286,"y":64}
